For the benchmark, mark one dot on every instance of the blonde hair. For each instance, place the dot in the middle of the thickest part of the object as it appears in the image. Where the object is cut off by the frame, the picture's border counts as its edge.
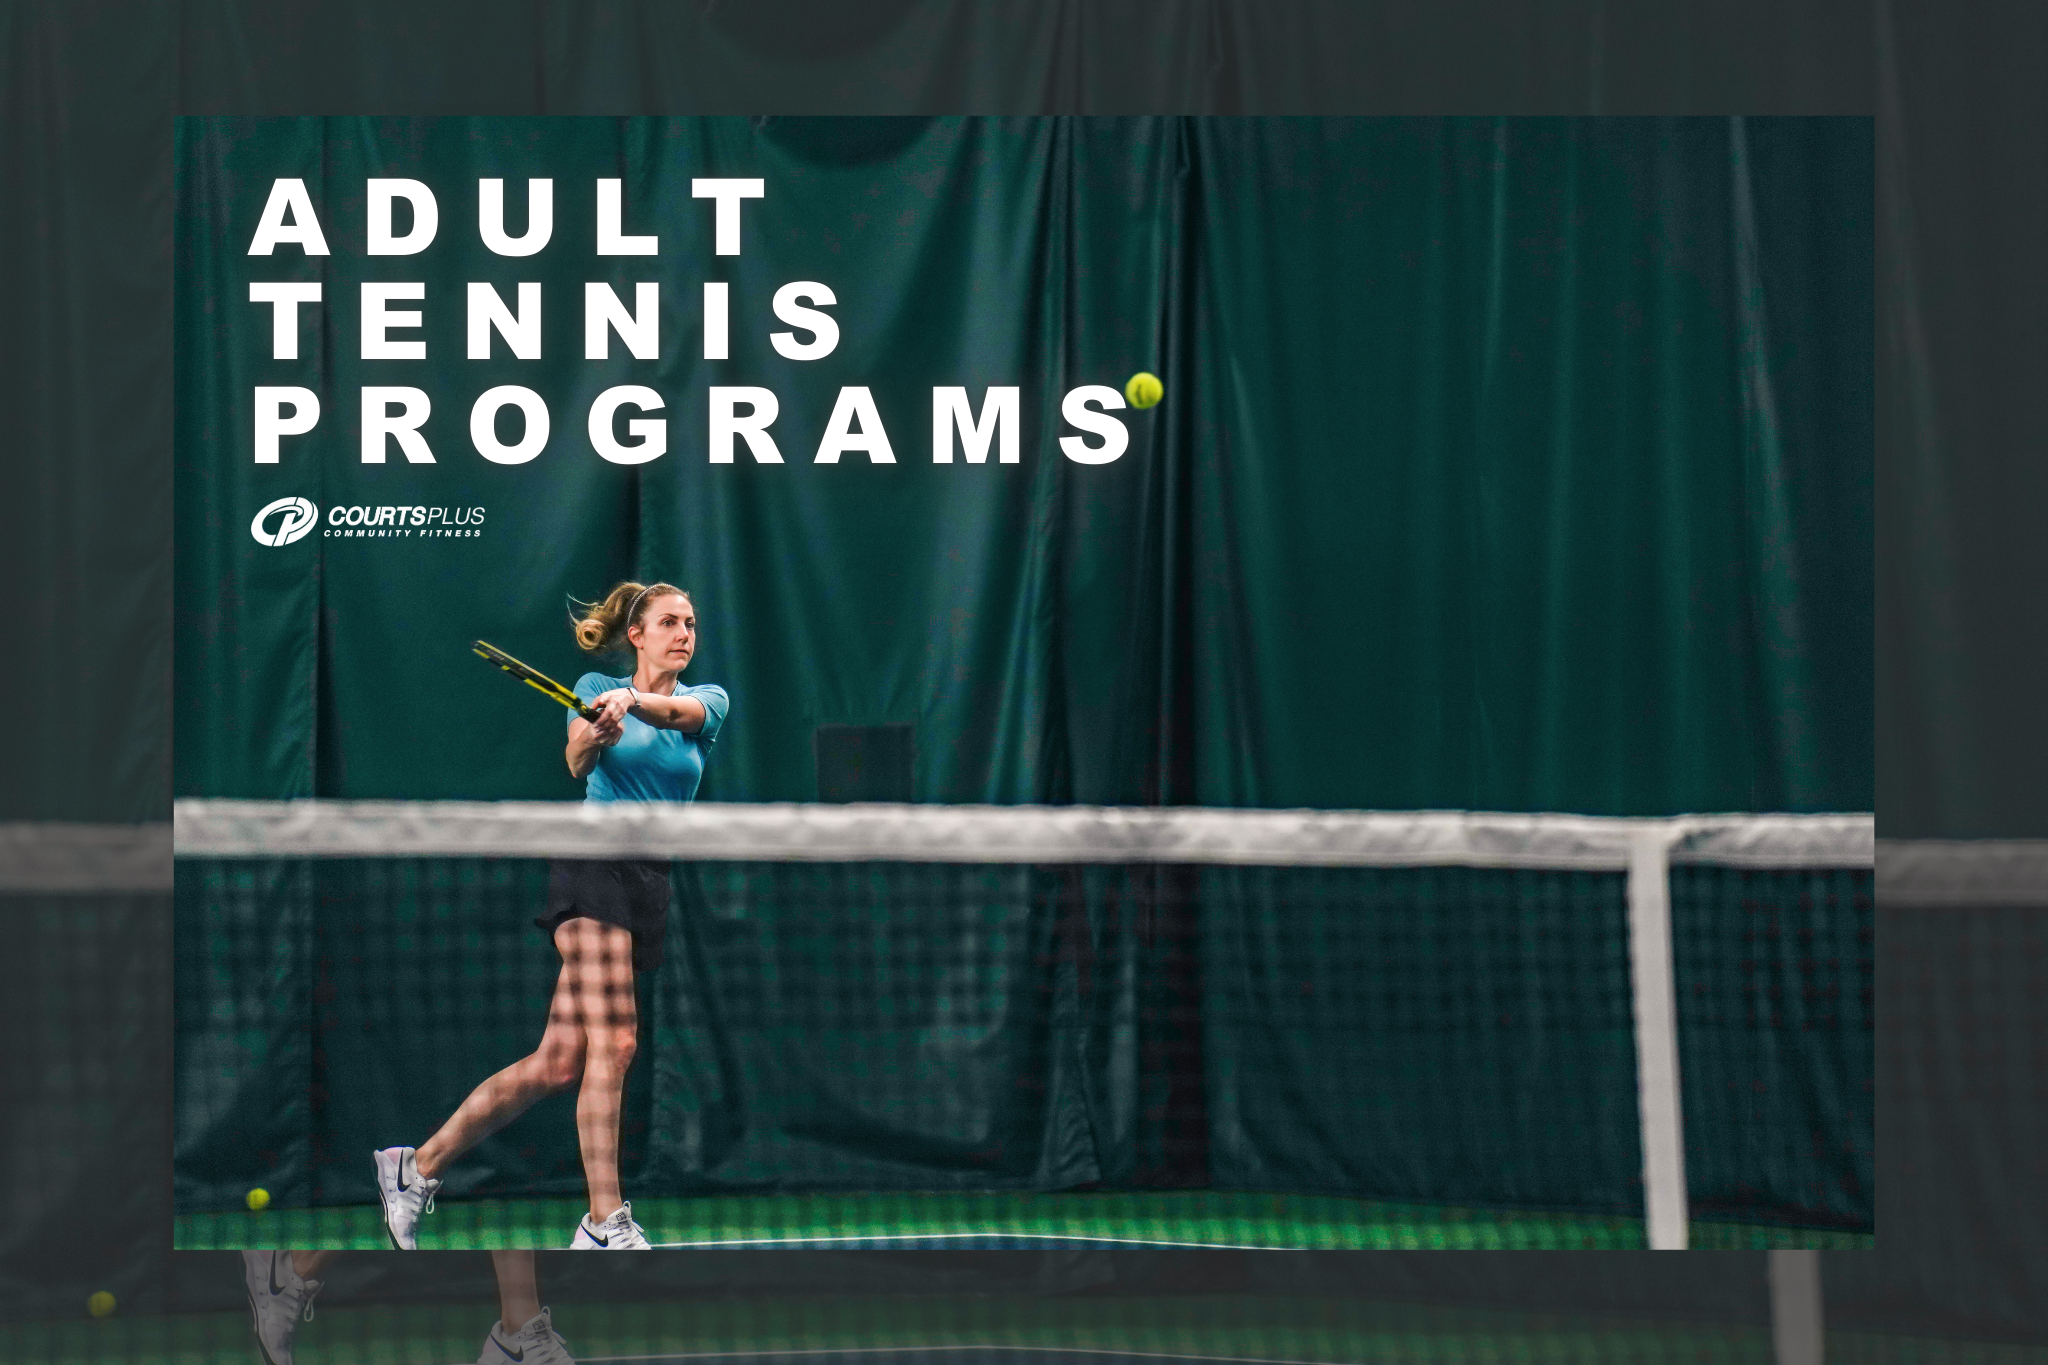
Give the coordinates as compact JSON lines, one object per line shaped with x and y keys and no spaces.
{"x":602,"y":627}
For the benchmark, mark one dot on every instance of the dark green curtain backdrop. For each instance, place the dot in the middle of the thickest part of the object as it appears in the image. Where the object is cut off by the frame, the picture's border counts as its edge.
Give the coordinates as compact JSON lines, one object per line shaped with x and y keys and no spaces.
{"x":1504,"y":464}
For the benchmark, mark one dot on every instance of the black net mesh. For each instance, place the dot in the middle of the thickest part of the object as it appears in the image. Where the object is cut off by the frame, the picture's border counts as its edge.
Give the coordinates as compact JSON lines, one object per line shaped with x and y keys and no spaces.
{"x":1776,"y":988}
{"x":881,"y":1053}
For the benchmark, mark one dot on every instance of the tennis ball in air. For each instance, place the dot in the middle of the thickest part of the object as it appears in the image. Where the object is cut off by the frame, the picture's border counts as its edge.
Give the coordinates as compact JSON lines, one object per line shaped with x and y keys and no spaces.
{"x":100,"y":1304}
{"x":1144,"y":389}
{"x":259,"y":1198}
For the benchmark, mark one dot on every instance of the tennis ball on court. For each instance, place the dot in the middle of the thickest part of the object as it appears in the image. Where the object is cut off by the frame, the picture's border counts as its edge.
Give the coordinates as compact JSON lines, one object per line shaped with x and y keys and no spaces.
{"x":100,"y":1304}
{"x":259,"y":1198}
{"x":1144,"y":389}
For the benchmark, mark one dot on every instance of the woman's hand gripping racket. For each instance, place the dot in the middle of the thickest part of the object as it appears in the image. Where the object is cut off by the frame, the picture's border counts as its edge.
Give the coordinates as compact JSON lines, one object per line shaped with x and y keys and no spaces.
{"x":535,"y":679}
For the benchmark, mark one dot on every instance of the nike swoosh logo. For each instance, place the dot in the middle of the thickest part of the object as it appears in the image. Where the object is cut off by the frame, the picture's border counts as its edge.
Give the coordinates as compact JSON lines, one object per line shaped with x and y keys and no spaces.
{"x":592,"y":1235}
{"x":275,"y":1287}
{"x":519,"y":1354}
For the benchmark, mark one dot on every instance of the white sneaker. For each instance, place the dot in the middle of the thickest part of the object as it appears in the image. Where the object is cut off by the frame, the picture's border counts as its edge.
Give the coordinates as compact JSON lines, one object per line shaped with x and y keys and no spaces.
{"x":616,"y":1233}
{"x":405,"y":1193}
{"x":278,"y":1300}
{"x":534,"y":1344}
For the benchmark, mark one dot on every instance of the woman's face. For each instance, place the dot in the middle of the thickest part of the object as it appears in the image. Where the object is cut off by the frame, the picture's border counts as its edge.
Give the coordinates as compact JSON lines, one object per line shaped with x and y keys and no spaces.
{"x":667,"y":633}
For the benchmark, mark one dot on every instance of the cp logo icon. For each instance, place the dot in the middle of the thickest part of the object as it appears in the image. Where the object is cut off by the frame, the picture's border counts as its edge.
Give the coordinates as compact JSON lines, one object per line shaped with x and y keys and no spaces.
{"x":299,"y":516}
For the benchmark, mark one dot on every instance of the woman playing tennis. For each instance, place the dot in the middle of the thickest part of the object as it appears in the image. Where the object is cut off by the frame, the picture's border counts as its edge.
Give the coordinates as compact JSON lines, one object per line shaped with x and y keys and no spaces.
{"x":606,"y":919}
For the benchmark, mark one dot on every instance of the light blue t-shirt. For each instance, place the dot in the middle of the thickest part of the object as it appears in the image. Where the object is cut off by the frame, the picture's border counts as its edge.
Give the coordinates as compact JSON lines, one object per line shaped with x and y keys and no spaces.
{"x":649,"y":764}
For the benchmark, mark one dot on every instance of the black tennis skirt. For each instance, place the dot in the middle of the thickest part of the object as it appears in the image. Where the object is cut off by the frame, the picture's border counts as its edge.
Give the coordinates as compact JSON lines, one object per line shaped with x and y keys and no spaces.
{"x":629,"y":892}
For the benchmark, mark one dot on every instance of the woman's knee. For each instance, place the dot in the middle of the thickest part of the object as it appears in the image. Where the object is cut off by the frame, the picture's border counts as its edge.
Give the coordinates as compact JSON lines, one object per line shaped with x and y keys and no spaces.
{"x":560,"y":1067}
{"x":618,"y":1046}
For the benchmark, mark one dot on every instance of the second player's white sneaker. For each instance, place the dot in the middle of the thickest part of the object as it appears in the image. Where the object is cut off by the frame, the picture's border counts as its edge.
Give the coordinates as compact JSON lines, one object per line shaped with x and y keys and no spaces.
{"x":534,"y":1344}
{"x":405,"y":1194}
{"x":616,"y":1233}
{"x":278,"y":1300}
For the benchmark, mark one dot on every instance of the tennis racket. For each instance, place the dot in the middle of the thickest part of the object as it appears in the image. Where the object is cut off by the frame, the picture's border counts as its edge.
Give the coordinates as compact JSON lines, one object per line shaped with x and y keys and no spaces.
{"x":533,"y":678}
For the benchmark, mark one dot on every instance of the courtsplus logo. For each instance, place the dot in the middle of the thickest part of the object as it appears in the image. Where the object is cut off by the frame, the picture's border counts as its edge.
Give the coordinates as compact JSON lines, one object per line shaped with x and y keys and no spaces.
{"x":385,"y":522}
{"x":299,"y":518}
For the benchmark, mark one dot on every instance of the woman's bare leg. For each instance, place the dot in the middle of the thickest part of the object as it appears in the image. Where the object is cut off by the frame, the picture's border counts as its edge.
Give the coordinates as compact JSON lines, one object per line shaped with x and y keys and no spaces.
{"x":598,"y":962}
{"x":518,"y":1289}
{"x":593,"y":1023}
{"x":553,"y":1066}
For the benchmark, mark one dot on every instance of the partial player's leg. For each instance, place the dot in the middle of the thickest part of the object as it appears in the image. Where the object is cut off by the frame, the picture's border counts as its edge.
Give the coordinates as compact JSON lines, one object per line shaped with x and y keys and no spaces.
{"x":281,"y":1287}
{"x":407,"y":1179}
{"x":597,"y":960}
{"x":535,"y":1341}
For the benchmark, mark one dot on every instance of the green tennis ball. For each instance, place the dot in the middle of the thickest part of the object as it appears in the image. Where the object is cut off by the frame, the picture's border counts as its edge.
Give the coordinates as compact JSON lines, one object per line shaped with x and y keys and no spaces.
{"x":100,"y":1304}
{"x":259,"y":1198}
{"x":1144,"y":389}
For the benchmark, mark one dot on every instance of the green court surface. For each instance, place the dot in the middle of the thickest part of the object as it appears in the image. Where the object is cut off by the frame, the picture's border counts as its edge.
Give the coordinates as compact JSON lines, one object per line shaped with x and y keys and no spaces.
{"x":1192,"y":1218}
{"x":844,"y":1331}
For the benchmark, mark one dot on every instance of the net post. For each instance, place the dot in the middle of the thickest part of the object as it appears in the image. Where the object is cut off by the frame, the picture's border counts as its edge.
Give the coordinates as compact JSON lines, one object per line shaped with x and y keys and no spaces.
{"x":1796,"y":1324}
{"x":1655,"y":997}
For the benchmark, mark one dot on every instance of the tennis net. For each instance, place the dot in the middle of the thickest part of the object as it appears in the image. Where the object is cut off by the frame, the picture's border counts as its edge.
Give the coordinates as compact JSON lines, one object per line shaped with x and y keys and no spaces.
{"x":941,"y":1026}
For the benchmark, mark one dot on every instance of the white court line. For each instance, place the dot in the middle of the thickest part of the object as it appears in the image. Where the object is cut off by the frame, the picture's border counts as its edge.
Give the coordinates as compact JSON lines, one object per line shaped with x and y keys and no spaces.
{"x":1020,"y":1236}
{"x":965,"y":1346}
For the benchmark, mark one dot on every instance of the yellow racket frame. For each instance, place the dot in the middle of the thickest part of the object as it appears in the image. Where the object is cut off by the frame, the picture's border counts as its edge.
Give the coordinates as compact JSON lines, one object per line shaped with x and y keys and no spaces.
{"x":532,"y":677}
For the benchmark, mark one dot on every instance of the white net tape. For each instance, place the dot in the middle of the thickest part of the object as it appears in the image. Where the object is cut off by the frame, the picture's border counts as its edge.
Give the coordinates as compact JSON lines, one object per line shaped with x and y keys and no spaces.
{"x":1005,"y":834}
